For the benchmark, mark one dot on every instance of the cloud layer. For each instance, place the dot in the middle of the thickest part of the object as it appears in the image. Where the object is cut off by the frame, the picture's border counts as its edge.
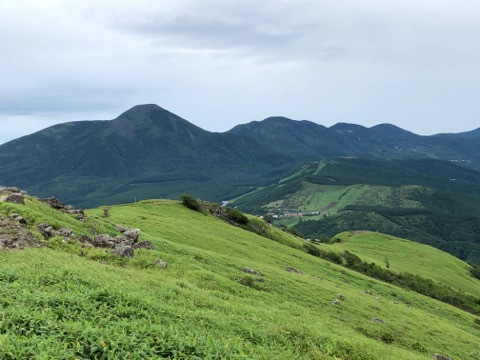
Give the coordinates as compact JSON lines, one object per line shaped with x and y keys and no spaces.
{"x":219,"y":63}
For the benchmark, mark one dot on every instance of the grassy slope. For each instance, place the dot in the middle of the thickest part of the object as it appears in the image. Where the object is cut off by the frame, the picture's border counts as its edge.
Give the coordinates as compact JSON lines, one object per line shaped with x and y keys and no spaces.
{"x":330,"y":199}
{"x":57,"y":304}
{"x":408,"y":256}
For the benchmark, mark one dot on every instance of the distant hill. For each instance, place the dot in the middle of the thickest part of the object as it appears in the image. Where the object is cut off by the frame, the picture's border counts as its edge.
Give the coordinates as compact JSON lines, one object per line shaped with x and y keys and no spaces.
{"x":407,"y":256}
{"x":425,"y":200}
{"x":149,"y":152}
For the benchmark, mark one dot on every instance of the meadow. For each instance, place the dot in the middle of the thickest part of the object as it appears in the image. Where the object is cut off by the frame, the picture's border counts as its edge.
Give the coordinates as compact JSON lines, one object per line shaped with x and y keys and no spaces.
{"x":64,"y":301}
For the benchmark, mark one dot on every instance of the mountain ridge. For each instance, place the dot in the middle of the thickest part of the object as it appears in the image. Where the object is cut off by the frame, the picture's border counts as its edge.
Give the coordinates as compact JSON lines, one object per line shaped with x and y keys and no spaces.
{"x":148,"y":151}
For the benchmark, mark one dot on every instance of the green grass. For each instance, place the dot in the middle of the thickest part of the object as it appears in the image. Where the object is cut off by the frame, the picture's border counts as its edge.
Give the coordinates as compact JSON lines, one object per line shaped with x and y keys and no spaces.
{"x":408,"y":256}
{"x":56,"y":304}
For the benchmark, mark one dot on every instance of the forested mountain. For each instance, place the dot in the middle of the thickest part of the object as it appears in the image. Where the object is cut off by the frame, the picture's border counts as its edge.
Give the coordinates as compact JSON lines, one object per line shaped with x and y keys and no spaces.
{"x":149,"y":152}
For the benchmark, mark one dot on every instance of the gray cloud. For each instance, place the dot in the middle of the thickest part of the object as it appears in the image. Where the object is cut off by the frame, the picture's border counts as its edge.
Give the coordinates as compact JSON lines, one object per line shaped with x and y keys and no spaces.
{"x":219,"y":63}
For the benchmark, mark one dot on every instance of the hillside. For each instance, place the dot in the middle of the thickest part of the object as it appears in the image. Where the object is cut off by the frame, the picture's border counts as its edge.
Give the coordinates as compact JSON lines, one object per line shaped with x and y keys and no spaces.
{"x":407,"y":256}
{"x":145,"y":152}
{"x":149,"y":152}
{"x":190,"y":296}
{"x":424,"y":200}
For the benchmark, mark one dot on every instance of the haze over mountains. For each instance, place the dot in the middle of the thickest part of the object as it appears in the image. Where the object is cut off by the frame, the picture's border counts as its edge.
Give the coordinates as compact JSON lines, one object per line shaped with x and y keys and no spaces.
{"x":148,"y":152}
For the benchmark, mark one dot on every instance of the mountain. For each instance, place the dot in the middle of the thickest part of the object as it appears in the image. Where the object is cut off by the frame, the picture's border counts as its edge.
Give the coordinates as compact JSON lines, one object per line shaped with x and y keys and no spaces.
{"x":205,"y":289}
{"x":384,"y":141}
{"x":426,"y":200}
{"x":145,"y":152}
{"x":149,"y":152}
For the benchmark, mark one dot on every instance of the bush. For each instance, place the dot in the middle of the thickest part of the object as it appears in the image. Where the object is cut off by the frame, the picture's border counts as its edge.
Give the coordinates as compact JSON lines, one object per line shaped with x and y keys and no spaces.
{"x":475,"y":271}
{"x":236,"y":216}
{"x":190,"y":202}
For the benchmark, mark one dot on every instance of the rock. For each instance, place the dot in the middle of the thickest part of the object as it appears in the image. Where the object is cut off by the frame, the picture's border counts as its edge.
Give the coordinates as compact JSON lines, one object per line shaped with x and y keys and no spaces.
{"x":85,"y":239}
{"x":15,"y":199}
{"x":251,"y":271}
{"x":335,"y":302}
{"x":293,"y":270}
{"x":380,"y":321}
{"x":18,"y":218}
{"x":143,"y":245}
{"x":15,"y":236}
{"x":45,"y":230}
{"x":12,"y":189}
{"x":69,"y":208}
{"x":441,"y":357}
{"x":132,"y":235}
{"x":103,"y":240}
{"x":80,"y":215}
{"x":341,"y":297}
{"x":53,"y":203}
{"x":123,"y":251}
{"x":66,"y":232}
{"x":160,"y":263}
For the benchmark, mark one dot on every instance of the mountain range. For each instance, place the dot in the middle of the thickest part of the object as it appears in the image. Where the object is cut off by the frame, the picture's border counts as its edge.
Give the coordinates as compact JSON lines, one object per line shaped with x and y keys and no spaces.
{"x":149,"y":152}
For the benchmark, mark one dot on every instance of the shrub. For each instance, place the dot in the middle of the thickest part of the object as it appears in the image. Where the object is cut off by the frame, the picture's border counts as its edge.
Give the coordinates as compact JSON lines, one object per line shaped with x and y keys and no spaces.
{"x":475,"y":271}
{"x":236,"y":216}
{"x":190,"y":202}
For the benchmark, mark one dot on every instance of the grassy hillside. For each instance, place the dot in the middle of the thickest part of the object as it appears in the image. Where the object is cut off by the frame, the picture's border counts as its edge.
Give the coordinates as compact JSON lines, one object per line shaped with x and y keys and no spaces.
{"x":407,"y":256}
{"x":57,"y":304}
{"x":429,"y":201}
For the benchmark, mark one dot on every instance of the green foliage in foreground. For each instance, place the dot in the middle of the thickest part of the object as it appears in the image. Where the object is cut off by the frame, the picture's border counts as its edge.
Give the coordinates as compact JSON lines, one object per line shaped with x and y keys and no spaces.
{"x":56,"y":304}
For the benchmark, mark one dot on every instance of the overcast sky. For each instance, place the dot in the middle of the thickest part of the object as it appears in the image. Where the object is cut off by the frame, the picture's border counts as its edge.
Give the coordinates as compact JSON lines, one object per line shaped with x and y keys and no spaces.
{"x":218,"y":63}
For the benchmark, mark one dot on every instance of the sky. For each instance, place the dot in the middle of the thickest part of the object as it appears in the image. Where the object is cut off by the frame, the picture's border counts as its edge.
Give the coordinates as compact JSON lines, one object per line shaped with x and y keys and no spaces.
{"x":219,"y":63}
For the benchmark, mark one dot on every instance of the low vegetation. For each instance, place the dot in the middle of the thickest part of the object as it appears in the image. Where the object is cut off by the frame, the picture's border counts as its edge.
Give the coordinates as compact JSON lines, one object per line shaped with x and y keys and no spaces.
{"x":221,"y":293}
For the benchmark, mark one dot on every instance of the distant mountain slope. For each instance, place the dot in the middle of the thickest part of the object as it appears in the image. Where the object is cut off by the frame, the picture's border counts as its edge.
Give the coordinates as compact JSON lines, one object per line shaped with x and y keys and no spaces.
{"x":385,"y":141}
{"x":425,"y":200}
{"x":149,"y":152}
{"x":145,"y":152}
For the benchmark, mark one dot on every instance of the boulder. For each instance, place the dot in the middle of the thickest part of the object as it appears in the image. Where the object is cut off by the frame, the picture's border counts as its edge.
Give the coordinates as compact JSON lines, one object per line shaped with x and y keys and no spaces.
{"x":66,"y":232}
{"x":132,"y":235}
{"x":103,"y":241}
{"x":123,"y":251}
{"x":251,"y":271}
{"x":53,"y":202}
{"x":341,"y":297}
{"x":15,"y":199}
{"x":335,"y":302}
{"x":143,"y":245}
{"x":18,"y":218}
{"x":45,"y":230}
{"x":85,"y":239}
